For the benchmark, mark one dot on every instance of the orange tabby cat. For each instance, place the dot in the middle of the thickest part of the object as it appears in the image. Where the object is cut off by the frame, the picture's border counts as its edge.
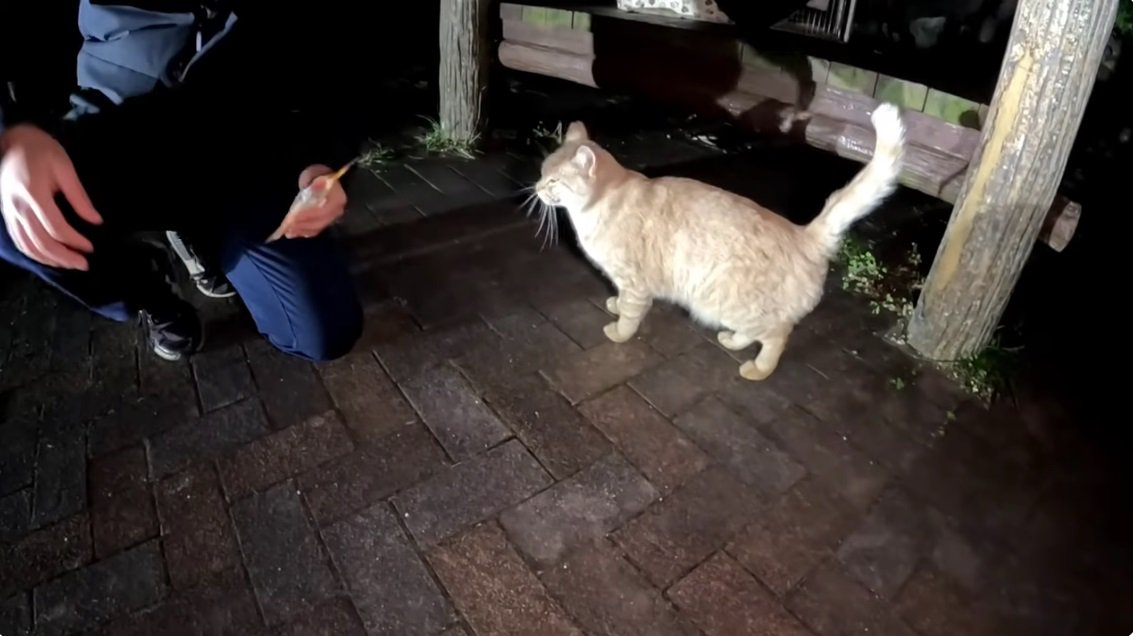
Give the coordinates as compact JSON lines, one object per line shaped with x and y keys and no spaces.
{"x":732,"y":263}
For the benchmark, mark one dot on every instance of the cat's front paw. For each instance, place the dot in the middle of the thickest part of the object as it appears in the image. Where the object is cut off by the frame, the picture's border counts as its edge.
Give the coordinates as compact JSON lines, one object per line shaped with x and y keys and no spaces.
{"x":749,"y":371}
{"x":612,"y":305}
{"x":611,"y":331}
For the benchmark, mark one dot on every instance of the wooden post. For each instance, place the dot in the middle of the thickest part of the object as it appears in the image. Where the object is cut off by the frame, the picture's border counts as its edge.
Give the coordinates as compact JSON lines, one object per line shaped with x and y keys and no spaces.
{"x":463,"y":66}
{"x":1047,"y":74}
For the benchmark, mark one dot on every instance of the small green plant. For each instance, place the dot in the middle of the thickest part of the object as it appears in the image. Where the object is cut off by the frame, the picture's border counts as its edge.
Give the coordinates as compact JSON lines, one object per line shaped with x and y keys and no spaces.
{"x":863,"y":272}
{"x":897,"y":383}
{"x":988,"y":373}
{"x":437,"y":140}
{"x":375,"y":156}
{"x":887,"y":290}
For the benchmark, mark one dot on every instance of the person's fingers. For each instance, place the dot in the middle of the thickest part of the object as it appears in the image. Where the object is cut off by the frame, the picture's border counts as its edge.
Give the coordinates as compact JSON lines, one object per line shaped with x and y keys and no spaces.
{"x":29,"y":246}
{"x":56,"y":226}
{"x":75,"y":193}
{"x":311,"y":173}
{"x":57,"y":253}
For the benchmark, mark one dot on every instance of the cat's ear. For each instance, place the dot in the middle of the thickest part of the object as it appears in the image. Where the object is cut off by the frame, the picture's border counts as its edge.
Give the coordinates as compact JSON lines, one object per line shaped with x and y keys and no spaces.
{"x":584,"y":158}
{"x":577,"y":132}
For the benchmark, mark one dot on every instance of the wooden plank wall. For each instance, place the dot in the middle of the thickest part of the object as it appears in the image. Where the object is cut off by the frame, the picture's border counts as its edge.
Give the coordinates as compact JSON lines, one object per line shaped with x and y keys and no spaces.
{"x":704,"y":71}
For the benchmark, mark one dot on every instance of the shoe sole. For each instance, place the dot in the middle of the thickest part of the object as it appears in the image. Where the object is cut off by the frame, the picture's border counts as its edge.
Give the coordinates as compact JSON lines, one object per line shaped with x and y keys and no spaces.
{"x":212,"y":294}
{"x":174,"y":356}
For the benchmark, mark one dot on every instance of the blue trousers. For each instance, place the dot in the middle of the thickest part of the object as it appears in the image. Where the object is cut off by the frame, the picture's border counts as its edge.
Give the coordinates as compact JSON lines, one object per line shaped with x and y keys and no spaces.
{"x":225,"y":185}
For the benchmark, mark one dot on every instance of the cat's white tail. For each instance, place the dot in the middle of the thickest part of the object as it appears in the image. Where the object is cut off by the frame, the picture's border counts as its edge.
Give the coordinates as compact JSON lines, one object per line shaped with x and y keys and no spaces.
{"x":869,"y":187}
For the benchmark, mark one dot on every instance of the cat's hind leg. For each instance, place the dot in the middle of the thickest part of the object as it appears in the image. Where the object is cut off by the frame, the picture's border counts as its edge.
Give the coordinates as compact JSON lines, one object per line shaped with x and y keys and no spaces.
{"x":773,"y":343}
{"x":612,"y":305}
{"x":631,"y":309}
{"x":734,"y":341}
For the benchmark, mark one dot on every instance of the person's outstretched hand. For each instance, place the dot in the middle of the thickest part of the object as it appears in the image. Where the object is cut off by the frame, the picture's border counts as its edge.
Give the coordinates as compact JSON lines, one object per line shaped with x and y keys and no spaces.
{"x":33,"y":169}
{"x":312,"y":221}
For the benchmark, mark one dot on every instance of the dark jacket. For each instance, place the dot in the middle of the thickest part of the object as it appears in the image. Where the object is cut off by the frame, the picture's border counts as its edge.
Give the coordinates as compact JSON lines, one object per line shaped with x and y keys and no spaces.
{"x":129,"y":48}
{"x":150,"y":48}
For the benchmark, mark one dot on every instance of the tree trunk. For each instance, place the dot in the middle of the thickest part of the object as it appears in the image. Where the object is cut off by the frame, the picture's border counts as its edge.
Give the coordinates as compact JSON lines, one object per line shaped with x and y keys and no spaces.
{"x":464,"y":66}
{"x":1047,"y":74}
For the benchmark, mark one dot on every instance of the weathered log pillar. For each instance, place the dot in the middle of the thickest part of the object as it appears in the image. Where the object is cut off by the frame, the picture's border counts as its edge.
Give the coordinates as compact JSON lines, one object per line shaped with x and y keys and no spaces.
{"x":465,"y":57}
{"x":1047,"y":74}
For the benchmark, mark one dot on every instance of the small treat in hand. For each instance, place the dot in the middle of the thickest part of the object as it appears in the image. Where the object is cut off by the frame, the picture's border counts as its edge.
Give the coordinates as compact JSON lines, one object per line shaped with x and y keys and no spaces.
{"x":313,"y":196}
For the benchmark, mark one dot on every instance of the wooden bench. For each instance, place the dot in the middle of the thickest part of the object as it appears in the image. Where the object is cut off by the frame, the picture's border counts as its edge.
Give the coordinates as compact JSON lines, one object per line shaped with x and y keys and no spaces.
{"x":703,"y":66}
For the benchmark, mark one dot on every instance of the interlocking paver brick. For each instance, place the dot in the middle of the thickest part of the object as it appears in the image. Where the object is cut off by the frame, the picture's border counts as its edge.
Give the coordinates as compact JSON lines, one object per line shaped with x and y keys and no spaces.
{"x":290,"y":390}
{"x":799,"y":531}
{"x":677,"y":384}
{"x":832,"y":603}
{"x":335,"y":617}
{"x":45,"y":554}
{"x":547,"y":424}
{"x":369,"y":401}
{"x":884,"y":550}
{"x":197,"y":535}
{"x":212,"y":436}
{"x":595,"y":370}
{"x":936,"y":606}
{"x":729,"y":439}
{"x":127,"y":581}
{"x":15,"y":615}
{"x":829,"y":457}
{"x":17,"y":453}
{"x":60,"y":478}
{"x":390,"y":585}
{"x":405,"y":358}
{"x":289,"y":571}
{"x":453,"y":184}
{"x":222,"y":605}
{"x":493,"y":588}
{"x":371,"y":473}
{"x":810,"y":377}
{"x":686,"y":527}
{"x":605,"y":595}
{"x":411,"y":187}
{"x":470,"y":492}
{"x":134,"y":420}
{"x":587,"y":506}
{"x":666,"y":457}
{"x":889,"y":445}
{"x":114,"y":364}
{"x":722,"y":600}
{"x":671,"y":331}
{"x":122,"y":510}
{"x":578,"y":318}
{"x":15,"y":515}
{"x":754,"y":402}
{"x":223,"y":377}
{"x":487,"y":178}
{"x":166,"y":382}
{"x":32,"y":336}
{"x":284,"y":454}
{"x":456,"y":415}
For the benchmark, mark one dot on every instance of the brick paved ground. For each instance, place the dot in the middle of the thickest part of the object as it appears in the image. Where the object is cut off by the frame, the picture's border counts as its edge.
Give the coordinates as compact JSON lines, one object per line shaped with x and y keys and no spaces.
{"x":487,"y":463}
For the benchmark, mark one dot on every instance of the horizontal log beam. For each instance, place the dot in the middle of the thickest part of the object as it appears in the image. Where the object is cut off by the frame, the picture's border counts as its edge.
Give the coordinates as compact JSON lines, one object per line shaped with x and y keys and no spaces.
{"x":838,"y":120}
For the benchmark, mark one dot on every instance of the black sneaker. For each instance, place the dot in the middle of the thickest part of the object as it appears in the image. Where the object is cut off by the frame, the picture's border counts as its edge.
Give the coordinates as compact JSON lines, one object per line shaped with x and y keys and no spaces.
{"x":208,"y":282}
{"x":173,"y":331}
{"x":172,"y":325}
{"x":213,"y":285}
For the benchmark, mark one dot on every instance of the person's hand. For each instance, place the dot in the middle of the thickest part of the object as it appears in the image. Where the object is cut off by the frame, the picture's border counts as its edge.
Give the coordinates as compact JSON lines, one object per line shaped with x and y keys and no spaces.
{"x":33,"y":169}
{"x":312,"y":221}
